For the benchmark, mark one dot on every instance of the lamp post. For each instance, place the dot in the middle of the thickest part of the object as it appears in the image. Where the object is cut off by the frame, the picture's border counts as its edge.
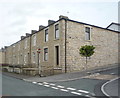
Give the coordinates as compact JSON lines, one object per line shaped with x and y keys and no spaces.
{"x":39,"y":70}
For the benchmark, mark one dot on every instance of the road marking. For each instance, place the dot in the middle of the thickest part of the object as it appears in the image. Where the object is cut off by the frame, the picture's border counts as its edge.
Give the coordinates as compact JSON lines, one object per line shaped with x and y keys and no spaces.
{"x":76,"y":93}
{"x":83,"y":91}
{"x":34,"y":82}
{"x":112,"y":73}
{"x":87,"y":95}
{"x":40,"y":84}
{"x":103,"y":86}
{"x":52,"y":84}
{"x":54,"y":87}
{"x":71,"y":88}
{"x":47,"y":85}
{"x":65,"y":90}
{"x":60,"y":86}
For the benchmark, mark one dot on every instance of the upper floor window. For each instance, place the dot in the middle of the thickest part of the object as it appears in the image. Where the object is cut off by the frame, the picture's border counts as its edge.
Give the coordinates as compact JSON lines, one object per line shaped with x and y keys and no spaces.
{"x":25,"y":43}
{"x":46,"y":35}
{"x":45,"y":54}
{"x":13,"y":48}
{"x":34,"y":40}
{"x":19,"y":47}
{"x":87,"y":33}
{"x":57,"y":31}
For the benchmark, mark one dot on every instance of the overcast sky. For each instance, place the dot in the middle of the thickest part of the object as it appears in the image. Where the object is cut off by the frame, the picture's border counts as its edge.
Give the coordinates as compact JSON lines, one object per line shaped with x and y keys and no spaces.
{"x":18,"y":17}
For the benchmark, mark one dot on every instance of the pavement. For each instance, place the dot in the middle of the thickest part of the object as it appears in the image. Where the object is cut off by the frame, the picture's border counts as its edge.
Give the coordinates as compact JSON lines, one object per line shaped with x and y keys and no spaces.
{"x":60,"y":77}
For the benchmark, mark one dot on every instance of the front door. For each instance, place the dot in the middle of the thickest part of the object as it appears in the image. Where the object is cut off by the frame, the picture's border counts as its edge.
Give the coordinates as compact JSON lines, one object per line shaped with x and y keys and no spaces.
{"x":39,"y":67}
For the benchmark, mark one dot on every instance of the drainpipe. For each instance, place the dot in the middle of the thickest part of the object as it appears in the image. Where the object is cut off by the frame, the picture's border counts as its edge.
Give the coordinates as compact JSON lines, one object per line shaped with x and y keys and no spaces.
{"x":65,"y":45}
{"x":30,"y":50}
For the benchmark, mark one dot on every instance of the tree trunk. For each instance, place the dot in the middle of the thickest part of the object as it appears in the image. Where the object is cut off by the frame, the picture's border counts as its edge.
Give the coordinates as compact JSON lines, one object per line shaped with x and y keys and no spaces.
{"x":86,"y":63}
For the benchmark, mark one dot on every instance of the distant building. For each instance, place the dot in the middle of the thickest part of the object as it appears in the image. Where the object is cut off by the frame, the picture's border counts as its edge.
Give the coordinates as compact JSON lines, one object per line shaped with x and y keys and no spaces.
{"x":2,"y":56}
{"x":54,"y":49}
{"x":114,"y":26}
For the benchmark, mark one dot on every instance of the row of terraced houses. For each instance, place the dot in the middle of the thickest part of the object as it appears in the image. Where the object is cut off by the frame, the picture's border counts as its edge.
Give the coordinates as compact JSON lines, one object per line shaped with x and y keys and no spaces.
{"x":54,"y":49}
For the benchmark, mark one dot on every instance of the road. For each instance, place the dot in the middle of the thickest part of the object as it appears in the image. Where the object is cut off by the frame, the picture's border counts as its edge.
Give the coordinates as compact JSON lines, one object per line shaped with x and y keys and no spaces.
{"x":110,"y":88}
{"x":87,"y":86}
{"x":16,"y":87}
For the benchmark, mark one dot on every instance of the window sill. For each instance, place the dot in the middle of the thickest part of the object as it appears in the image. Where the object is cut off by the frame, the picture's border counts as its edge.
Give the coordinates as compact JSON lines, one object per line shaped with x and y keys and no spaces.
{"x":57,"y":68}
{"x":88,"y":40}
{"x":56,"y":39}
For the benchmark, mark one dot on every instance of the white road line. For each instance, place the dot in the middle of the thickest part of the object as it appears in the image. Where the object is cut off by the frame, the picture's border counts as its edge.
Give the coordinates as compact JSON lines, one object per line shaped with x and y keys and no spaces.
{"x":112,"y":73}
{"x":47,"y":85}
{"x":40,"y":84}
{"x":52,"y":84}
{"x":103,"y":86}
{"x":34,"y":82}
{"x":71,"y":88}
{"x":54,"y":87}
{"x":83,"y":91}
{"x":60,"y":86}
{"x":76,"y":93}
{"x":65,"y":90}
{"x":87,"y":95}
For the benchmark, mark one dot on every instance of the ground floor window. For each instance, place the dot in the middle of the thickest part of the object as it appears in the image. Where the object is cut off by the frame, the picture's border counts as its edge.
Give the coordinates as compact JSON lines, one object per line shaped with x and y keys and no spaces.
{"x":46,"y":54}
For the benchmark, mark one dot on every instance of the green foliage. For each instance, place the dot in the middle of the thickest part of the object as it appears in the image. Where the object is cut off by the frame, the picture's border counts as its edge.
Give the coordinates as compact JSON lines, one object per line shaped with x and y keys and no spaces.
{"x":87,"y":51}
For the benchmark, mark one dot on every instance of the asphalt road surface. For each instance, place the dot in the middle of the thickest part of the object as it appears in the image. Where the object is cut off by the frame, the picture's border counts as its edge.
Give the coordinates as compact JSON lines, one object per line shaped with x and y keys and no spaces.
{"x":16,"y":87}
{"x":111,"y":87}
{"x":80,"y":87}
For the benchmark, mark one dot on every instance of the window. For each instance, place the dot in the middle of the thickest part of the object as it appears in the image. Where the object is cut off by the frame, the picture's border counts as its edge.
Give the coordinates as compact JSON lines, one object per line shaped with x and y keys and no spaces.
{"x":19,"y":47}
{"x":87,"y":33}
{"x":18,"y":59}
{"x":45,"y":54}
{"x":24,"y":59}
{"x":28,"y":59}
{"x":25,"y":43}
{"x":46,"y":35}
{"x":57,"y":31}
{"x":33,"y":57}
{"x":57,"y":55}
{"x":34,"y":40}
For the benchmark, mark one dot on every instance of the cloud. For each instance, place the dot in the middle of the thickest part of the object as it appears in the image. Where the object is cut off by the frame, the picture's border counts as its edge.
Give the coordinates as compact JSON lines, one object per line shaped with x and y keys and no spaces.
{"x":21,"y":16}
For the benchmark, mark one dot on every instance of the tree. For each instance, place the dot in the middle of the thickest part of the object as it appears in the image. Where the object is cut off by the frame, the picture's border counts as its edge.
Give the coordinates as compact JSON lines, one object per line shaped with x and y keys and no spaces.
{"x":87,"y":51}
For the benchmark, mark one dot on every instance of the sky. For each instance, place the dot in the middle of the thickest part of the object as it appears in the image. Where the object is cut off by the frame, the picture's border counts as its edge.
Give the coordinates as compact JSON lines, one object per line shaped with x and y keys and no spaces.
{"x":18,"y":17}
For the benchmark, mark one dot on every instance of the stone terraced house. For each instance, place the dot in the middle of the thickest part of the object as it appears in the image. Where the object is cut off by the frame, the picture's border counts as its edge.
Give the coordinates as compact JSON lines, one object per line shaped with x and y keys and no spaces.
{"x":54,"y":49}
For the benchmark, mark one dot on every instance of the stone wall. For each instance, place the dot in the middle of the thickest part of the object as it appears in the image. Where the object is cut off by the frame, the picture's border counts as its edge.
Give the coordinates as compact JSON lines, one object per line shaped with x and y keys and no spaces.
{"x":106,"y":43}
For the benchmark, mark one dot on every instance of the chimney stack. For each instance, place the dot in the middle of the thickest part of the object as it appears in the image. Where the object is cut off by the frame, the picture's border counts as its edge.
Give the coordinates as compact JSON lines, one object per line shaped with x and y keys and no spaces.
{"x":22,"y":37}
{"x":27,"y":34}
{"x":61,"y":16}
{"x":41,"y":27}
{"x":50,"y":22}
{"x":33,"y":31}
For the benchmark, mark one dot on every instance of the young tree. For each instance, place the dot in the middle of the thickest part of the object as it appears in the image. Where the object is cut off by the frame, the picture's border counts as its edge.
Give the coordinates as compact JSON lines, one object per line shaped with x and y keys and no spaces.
{"x":87,"y":51}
